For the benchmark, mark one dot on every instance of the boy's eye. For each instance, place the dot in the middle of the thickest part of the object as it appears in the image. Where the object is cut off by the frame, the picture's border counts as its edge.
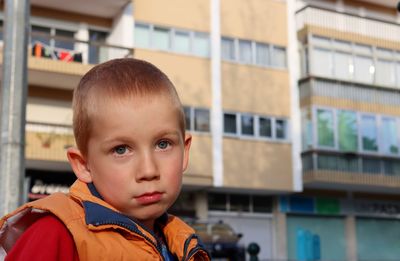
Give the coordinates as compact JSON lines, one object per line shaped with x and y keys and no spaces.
{"x":163,"y":144}
{"x":120,"y":150}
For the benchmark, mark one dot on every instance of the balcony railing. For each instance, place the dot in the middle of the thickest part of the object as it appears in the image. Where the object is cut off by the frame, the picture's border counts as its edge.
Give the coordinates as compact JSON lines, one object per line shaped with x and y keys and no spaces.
{"x":68,"y":49}
{"x":350,"y":169}
{"x":349,"y":23}
{"x":48,"y":142}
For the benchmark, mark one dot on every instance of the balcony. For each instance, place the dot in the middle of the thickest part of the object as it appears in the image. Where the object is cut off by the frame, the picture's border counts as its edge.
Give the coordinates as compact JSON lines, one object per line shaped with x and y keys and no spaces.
{"x":60,"y":62}
{"x":99,"y":8}
{"x":316,"y":18}
{"x":355,"y":172}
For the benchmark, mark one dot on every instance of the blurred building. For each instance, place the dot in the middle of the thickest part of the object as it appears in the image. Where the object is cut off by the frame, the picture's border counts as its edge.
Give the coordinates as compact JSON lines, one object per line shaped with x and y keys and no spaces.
{"x":267,"y":86}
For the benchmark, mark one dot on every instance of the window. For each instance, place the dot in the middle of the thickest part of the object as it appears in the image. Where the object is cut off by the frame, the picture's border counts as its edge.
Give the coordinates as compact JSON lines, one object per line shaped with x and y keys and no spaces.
{"x":262,"y":204}
{"x":201,"y":44}
{"x":142,"y":35}
{"x":279,"y":57}
{"x":247,"y":122}
{"x":228,"y":49}
{"x":182,"y":42}
{"x":217,"y":201}
{"x":398,"y":72}
{"x":201,"y":120}
{"x":239,"y":203}
{"x":97,"y":54}
{"x":262,"y":54}
{"x":161,"y":38}
{"x":347,"y":131}
{"x":363,"y":69}
{"x":322,"y":62}
{"x":230,"y":123}
{"x":325,"y":128}
{"x":40,"y":34}
{"x":68,"y":43}
{"x":391,"y":167}
{"x":280,"y":129}
{"x":369,"y":133}
{"x":245,"y":53}
{"x":389,"y":136}
{"x":265,"y":125}
{"x":385,"y":72}
{"x":188,"y":117}
{"x":371,"y":165}
{"x":343,"y":65}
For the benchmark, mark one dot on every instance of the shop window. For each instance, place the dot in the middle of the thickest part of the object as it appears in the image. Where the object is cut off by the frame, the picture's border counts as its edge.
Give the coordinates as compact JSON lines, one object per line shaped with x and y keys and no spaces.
{"x":262,"y":204}
{"x":228,"y":49}
{"x":325,"y":128}
{"x":230,"y":123}
{"x":142,"y":35}
{"x":247,"y":122}
{"x":389,"y":136}
{"x":182,"y":42}
{"x":161,"y":38}
{"x":201,"y":46}
{"x":245,"y":53}
{"x":347,"y":131}
{"x":201,"y":120}
{"x":369,"y":133}
{"x":217,"y":201}
{"x":239,"y":203}
{"x":265,"y":125}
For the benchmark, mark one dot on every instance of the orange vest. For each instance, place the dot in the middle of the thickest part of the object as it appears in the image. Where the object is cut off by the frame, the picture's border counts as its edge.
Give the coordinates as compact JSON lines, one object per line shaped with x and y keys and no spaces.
{"x":100,"y":232}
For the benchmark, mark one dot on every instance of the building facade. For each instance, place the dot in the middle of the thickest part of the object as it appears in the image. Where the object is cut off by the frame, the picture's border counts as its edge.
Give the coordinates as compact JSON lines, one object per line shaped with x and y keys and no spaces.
{"x":293,"y":107}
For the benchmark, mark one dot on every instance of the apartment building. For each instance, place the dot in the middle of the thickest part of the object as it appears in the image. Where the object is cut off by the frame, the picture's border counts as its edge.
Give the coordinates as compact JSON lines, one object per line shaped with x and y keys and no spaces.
{"x":349,"y":103}
{"x":229,"y":62}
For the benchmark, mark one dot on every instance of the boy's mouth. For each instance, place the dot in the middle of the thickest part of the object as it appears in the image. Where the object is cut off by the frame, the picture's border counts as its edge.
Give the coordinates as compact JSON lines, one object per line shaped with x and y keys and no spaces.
{"x":149,"y":198}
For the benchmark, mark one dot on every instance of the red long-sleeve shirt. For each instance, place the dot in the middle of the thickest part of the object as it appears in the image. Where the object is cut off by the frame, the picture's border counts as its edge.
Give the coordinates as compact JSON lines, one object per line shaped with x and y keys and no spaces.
{"x":46,"y":239}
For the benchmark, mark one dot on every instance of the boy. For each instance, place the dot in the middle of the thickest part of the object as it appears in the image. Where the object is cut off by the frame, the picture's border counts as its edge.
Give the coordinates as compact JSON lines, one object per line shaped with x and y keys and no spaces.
{"x":131,"y":152}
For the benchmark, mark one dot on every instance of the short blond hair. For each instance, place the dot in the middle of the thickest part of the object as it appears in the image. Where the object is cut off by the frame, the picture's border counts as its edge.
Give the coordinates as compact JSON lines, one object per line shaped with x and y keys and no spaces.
{"x":118,"y":78}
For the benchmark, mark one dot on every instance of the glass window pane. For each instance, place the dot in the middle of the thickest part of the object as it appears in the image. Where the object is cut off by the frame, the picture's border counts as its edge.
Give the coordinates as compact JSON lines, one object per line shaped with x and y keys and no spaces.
{"x":245,"y":51}
{"x":385,"y":53}
{"x":142,"y":35}
{"x":325,"y":128}
{"x":161,"y":39}
{"x":230,"y":123}
{"x":247,"y":122}
{"x":239,"y":203}
{"x":279,"y":57}
{"x":371,"y":165}
{"x":228,"y":49}
{"x":201,"y":120}
{"x":201,"y":45}
{"x":347,"y":130}
{"x":187,"y":110}
{"x":327,"y":162}
{"x":182,"y":42}
{"x":347,"y":164}
{"x":65,"y":44}
{"x":385,"y":72}
{"x":369,"y":132}
{"x":391,"y":167}
{"x":262,"y":204}
{"x":217,"y":201}
{"x":321,"y":41}
{"x":97,"y":53}
{"x":389,"y":136}
{"x":363,"y":49}
{"x":322,"y":62}
{"x":1,"y":30}
{"x":342,"y":45}
{"x":363,"y":69}
{"x":265,"y":127}
{"x":343,"y":63}
{"x":281,"y":129}
{"x":398,"y":74}
{"x":40,"y":34}
{"x":262,"y":54}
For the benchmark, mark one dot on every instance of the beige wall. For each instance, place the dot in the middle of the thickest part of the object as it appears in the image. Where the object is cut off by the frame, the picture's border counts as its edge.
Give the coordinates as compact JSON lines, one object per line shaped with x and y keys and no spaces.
{"x":260,"y":20}
{"x":190,"y":75}
{"x":254,"y":89}
{"x":193,"y":14}
{"x":257,"y":165}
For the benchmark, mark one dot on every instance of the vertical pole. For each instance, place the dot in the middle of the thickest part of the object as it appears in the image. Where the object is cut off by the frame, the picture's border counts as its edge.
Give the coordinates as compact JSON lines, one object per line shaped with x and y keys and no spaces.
{"x":13,"y":102}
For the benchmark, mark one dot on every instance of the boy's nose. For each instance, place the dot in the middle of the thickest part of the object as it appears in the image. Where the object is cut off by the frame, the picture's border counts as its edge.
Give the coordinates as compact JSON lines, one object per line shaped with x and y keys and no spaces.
{"x":148,"y":169}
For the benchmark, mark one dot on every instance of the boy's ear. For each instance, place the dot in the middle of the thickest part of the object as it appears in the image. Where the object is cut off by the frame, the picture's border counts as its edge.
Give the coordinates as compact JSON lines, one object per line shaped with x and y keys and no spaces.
{"x":79,"y":165}
{"x":187,"y":143}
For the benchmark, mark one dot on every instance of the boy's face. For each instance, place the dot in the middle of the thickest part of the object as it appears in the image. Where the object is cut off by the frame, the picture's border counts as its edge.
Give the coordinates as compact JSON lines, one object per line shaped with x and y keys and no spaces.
{"x":136,"y":155}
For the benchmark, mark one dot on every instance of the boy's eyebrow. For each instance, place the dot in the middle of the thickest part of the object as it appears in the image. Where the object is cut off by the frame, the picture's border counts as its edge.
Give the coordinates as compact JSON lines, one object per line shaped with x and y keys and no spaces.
{"x":124,"y":138}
